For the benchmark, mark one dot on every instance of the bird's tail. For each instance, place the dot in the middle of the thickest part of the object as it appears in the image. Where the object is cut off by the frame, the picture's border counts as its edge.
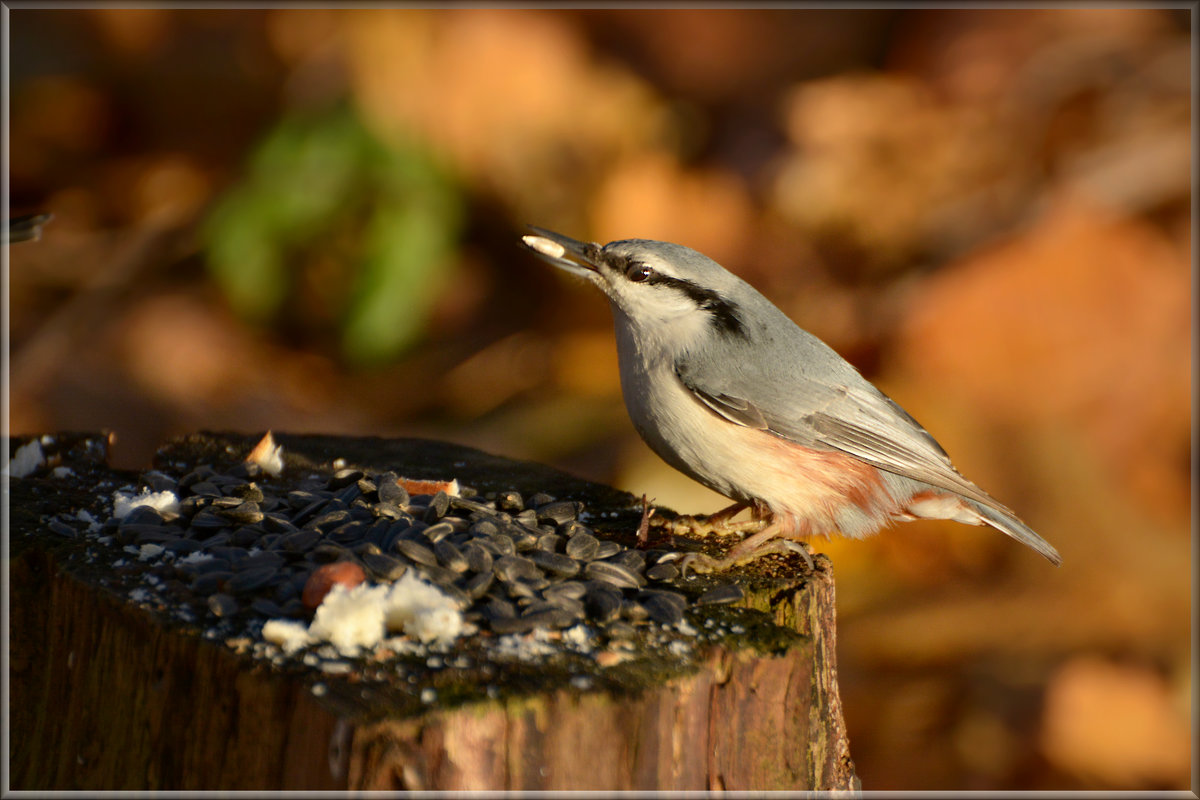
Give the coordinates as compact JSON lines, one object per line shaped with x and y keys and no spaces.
{"x":1008,"y":523}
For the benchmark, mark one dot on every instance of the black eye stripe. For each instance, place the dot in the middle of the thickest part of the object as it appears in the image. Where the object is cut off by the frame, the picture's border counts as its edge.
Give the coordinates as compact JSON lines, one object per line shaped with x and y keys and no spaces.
{"x":724,"y":313}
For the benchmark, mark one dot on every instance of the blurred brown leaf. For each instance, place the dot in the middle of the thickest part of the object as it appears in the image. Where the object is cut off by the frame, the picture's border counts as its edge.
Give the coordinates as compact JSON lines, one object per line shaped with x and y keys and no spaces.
{"x":1084,"y":321}
{"x":1117,"y":725}
{"x":652,"y":197}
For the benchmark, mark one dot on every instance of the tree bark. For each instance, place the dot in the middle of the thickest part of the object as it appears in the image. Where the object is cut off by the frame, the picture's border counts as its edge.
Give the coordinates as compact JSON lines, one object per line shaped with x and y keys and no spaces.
{"x":107,"y":696}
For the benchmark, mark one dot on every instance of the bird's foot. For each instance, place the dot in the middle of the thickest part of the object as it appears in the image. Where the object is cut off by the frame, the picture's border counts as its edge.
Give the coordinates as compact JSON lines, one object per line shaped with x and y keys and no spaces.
{"x":719,"y":522}
{"x":701,"y":563}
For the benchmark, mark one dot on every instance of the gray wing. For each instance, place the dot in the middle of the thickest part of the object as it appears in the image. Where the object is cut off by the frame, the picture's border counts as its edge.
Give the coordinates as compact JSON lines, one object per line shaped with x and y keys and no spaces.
{"x":845,"y":414}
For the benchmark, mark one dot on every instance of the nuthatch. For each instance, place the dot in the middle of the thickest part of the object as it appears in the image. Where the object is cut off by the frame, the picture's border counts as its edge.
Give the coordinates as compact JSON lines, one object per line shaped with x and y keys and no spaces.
{"x":728,"y":390}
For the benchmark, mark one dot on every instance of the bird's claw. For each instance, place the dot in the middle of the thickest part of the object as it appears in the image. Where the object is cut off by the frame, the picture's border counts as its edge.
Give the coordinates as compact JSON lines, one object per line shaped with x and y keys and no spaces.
{"x":798,"y":547}
{"x":700,"y":564}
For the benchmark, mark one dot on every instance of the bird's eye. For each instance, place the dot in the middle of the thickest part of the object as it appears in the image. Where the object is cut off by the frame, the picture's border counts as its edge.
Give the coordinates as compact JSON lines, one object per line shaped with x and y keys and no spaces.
{"x":638,"y":272}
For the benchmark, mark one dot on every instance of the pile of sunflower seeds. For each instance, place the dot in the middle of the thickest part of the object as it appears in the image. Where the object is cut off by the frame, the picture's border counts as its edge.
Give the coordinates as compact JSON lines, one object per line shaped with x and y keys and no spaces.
{"x":243,"y":546}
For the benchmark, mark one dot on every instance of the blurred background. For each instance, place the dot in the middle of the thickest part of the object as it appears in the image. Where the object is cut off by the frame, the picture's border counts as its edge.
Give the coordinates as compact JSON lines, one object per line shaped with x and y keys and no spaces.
{"x":307,"y":220}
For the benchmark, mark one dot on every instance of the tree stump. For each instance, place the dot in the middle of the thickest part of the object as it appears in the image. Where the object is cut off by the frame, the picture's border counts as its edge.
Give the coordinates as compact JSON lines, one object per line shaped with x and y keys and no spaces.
{"x":107,"y":693}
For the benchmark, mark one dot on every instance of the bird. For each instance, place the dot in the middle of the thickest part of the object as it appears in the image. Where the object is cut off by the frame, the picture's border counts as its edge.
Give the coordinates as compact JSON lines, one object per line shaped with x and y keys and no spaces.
{"x":727,"y":389}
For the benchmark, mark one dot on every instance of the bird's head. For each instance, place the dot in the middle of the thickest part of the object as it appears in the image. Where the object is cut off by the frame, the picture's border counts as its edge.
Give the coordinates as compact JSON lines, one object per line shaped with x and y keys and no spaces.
{"x":666,"y":291}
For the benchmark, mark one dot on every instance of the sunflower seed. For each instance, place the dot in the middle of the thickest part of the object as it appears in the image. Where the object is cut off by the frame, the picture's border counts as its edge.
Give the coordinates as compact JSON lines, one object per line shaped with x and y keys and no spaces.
{"x":606,"y":549}
{"x":438,"y":531}
{"x":520,"y":590}
{"x":246,"y":536}
{"x":247,"y":491}
{"x":205,"y":488}
{"x":222,"y":605}
{"x":159,"y":481}
{"x":498,"y":608}
{"x":500,"y":543}
{"x":662,"y":610}
{"x":523,"y":538}
{"x":633,"y":611}
{"x":632,"y":559}
{"x":216,"y":540}
{"x":251,"y":579}
{"x":510,"y":568}
{"x":344,"y":477}
{"x":438,"y":507}
{"x":571,"y":589}
{"x":555,"y":563}
{"x":348,"y":534}
{"x":263,"y":560}
{"x":278,"y":523}
{"x":198,"y":474}
{"x":582,"y":546}
{"x":390,"y":491}
{"x":142,"y":515}
{"x":677,"y":599}
{"x":384,"y":567}
{"x":300,"y":518}
{"x":188,"y":507}
{"x":617,"y":574}
{"x":387,"y":510}
{"x":478,"y":585}
{"x":266,"y":608}
{"x":484,"y":527}
{"x":367,"y":547}
{"x":450,"y":556}
{"x":558,"y":513}
{"x":229,"y":552}
{"x":571,"y":605}
{"x":414,"y":532}
{"x":293,"y":608}
{"x":601,"y":606}
{"x":548,"y":542}
{"x":663,"y":572}
{"x":478,"y":557}
{"x":473,"y":504}
{"x":439,"y":575}
{"x":208,"y":520}
{"x":509,"y":501}
{"x":724,"y":593}
{"x":330,"y":520}
{"x":299,"y":541}
{"x":299,"y":498}
{"x":245,"y":513}
{"x":549,"y":618}
{"x":327,"y":552}
{"x":417,"y":552}
{"x":574,"y":528}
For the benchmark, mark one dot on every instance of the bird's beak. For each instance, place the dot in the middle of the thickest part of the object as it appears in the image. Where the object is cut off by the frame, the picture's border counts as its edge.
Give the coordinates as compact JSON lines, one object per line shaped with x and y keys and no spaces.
{"x":579,"y":258}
